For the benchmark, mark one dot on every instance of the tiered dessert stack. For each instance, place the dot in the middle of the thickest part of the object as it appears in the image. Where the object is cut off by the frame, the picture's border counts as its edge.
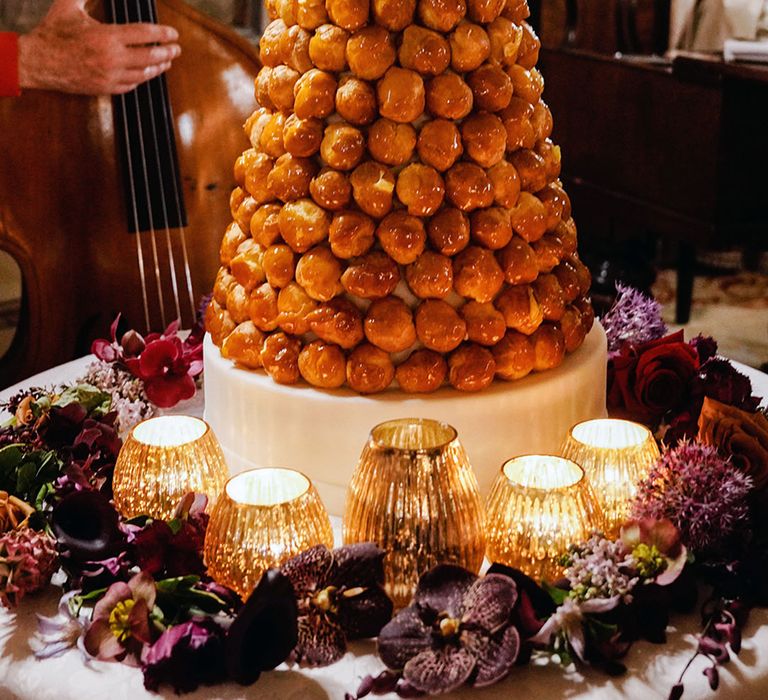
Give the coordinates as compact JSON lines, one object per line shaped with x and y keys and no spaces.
{"x":399,"y":215}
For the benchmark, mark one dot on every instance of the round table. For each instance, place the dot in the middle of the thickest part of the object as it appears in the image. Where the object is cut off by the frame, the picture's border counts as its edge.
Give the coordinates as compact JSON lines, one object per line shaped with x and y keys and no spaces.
{"x":652,"y":670}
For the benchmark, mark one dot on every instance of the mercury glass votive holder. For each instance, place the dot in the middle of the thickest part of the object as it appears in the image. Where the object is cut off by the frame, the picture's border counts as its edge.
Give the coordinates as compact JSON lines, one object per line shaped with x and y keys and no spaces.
{"x":538,"y":506}
{"x":264,"y":517}
{"x":615,"y":455}
{"x":163,"y":459}
{"x":414,"y":494}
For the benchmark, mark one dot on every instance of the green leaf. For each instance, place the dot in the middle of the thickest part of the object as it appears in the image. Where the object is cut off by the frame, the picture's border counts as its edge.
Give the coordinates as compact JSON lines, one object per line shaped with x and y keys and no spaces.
{"x":558,"y":595}
{"x":10,"y":457}
{"x":93,"y":400}
{"x":181,"y":594}
{"x":25,"y":478}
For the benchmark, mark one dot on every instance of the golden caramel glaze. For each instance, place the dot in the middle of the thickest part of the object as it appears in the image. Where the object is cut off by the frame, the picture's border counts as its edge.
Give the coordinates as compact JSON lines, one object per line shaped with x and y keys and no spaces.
{"x":471,"y":368}
{"x":423,"y":372}
{"x":399,"y":215}
{"x":243,"y":345}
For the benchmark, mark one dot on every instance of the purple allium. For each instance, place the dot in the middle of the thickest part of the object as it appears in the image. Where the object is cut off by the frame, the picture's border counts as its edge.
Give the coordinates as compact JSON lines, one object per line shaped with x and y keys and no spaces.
{"x":699,"y":491}
{"x":340,"y":598}
{"x":186,"y":656}
{"x":634,"y":318}
{"x":458,"y":629}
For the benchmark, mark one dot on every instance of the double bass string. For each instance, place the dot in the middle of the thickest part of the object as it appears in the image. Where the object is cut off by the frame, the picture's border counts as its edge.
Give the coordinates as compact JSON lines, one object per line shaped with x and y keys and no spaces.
{"x":167,"y":113}
{"x":135,"y":211}
{"x":153,"y":238}
{"x":169,"y":246}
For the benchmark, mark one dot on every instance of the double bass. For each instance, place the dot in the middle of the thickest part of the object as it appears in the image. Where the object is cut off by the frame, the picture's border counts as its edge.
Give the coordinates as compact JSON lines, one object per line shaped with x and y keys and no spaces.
{"x":104,"y":210}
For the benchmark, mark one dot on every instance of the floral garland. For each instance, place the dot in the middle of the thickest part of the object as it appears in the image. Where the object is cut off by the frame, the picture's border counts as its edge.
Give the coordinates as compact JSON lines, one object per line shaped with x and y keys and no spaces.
{"x":137,"y":591}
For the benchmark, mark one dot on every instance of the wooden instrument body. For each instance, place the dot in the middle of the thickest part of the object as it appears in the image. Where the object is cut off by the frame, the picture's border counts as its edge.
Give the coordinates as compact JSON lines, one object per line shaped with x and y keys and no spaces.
{"x":62,"y":211}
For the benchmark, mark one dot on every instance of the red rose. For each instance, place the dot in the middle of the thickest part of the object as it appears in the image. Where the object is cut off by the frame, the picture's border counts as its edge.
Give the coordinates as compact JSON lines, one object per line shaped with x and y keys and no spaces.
{"x":651,"y":379}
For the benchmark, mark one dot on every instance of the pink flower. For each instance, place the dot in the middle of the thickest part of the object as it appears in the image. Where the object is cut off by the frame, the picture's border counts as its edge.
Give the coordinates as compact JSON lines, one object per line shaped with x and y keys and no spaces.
{"x":27,"y":561}
{"x":656,"y":547}
{"x":121,"y":624}
{"x":166,"y":365}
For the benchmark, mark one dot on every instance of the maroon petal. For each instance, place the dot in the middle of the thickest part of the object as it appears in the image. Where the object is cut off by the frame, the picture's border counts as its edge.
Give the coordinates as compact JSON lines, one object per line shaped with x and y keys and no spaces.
{"x":363,"y":615}
{"x":167,"y":391}
{"x":157,"y":356}
{"x":495,"y":656}
{"x":321,"y":641}
{"x":101,"y":643}
{"x":116,"y":593}
{"x":402,"y":638}
{"x":309,"y":570}
{"x":439,"y":671}
{"x":489,"y":602}
{"x":443,"y":589}
{"x":138,"y":621}
{"x":359,"y":564}
{"x":104,"y":350}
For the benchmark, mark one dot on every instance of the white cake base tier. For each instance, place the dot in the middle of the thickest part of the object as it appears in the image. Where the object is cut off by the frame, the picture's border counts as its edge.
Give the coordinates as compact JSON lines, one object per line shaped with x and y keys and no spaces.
{"x":321,"y":433}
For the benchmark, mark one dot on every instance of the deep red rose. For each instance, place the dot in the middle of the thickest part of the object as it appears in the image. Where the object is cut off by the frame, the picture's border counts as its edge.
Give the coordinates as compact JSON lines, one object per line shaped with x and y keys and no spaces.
{"x":652,"y":379}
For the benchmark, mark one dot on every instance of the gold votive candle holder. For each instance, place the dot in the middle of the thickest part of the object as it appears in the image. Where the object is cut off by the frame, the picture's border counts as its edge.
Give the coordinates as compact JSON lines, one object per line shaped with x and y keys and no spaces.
{"x":264,"y":517}
{"x":615,"y":455}
{"x":538,"y":506}
{"x":163,"y":459}
{"x":415,"y":495}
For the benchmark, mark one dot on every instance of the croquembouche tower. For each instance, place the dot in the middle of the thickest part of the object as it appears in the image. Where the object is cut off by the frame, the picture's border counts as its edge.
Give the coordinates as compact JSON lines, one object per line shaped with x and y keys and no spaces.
{"x":399,"y":229}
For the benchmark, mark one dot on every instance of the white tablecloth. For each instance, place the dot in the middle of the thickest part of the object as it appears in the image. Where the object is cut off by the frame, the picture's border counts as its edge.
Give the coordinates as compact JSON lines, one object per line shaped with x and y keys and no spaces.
{"x":651,"y":669}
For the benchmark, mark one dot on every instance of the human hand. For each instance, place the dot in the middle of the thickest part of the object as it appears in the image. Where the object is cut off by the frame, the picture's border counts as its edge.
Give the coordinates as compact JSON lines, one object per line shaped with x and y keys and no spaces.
{"x":71,"y":52}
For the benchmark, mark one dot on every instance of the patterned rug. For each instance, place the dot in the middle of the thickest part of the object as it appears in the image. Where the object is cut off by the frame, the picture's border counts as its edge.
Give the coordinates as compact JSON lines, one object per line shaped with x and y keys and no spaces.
{"x":733,"y":308}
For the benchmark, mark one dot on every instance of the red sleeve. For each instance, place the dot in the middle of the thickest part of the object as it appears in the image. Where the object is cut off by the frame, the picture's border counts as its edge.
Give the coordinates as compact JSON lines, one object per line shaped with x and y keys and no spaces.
{"x":9,"y":64}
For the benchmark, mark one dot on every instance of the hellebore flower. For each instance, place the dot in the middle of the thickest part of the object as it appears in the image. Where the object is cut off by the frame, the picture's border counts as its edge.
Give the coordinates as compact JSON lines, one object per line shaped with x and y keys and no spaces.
{"x":121,"y":624}
{"x":340,"y":598}
{"x":186,"y":656}
{"x":60,"y":632}
{"x":568,"y":622}
{"x":457,"y":630}
{"x":655,"y":546}
{"x":264,"y":631}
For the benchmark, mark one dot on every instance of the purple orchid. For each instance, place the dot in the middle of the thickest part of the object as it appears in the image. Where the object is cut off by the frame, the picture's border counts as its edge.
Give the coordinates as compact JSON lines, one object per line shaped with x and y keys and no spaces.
{"x":121,"y":620}
{"x":340,"y":597}
{"x":458,"y":629}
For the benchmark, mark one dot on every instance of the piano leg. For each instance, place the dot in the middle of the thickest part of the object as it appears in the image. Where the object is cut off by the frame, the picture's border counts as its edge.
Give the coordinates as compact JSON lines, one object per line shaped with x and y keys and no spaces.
{"x":686,"y":268}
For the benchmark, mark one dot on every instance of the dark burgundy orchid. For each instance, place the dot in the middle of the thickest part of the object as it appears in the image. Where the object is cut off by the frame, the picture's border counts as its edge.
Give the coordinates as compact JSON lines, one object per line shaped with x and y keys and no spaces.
{"x":166,"y":364}
{"x":264,"y":631}
{"x":186,"y":656}
{"x":340,"y":598}
{"x":458,"y":629}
